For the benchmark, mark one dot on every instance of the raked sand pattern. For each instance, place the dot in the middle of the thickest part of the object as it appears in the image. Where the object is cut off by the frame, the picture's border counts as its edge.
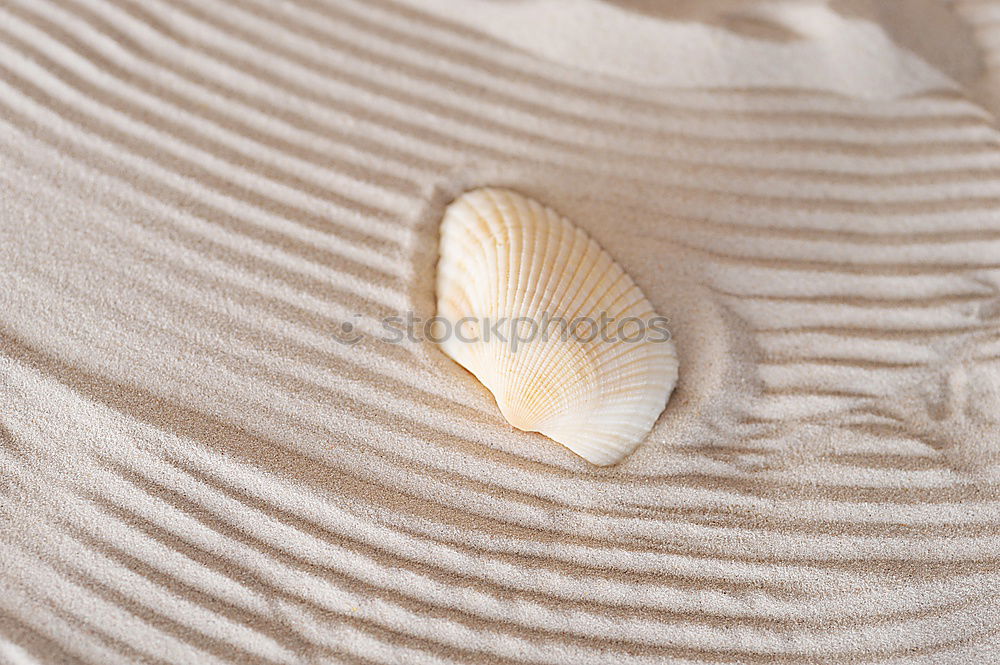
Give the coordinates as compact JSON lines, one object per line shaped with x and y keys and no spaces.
{"x":209,"y":454}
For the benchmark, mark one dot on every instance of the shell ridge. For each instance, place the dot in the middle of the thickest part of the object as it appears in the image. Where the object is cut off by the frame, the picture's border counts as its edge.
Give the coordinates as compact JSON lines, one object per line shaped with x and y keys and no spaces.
{"x":502,"y":209}
{"x":579,"y":243}
{"x":579,"y":392}
{"x":491,"y":217}
{"x":579,"y":351}
{"x":515,"y":213}
{"x":542,"y":238}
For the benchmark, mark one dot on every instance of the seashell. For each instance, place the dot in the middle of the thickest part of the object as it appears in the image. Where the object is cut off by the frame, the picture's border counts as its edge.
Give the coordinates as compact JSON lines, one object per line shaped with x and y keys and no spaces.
{"x":523,"y":291}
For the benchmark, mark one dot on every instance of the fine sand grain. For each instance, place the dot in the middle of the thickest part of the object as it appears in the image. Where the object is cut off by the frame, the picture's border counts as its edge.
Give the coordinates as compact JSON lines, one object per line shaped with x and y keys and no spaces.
{"x":210,"y":454}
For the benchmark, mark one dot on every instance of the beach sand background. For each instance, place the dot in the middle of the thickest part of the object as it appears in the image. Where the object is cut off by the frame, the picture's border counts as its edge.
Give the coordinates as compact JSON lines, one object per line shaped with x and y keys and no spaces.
{"x":209,"y":453}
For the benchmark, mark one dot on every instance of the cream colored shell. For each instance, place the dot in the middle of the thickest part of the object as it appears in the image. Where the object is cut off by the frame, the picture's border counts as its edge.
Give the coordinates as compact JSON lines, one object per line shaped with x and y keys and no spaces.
{"x":505,"y":256}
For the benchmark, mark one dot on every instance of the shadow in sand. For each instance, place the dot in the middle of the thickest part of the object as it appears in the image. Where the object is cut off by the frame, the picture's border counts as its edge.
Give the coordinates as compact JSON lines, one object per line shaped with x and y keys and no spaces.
{"x":739,"y":16}
{"x":929,"y":29}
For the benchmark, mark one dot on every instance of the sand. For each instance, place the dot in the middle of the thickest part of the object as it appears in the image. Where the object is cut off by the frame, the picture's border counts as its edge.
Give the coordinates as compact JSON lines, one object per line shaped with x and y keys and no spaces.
{"x":209,"y":453}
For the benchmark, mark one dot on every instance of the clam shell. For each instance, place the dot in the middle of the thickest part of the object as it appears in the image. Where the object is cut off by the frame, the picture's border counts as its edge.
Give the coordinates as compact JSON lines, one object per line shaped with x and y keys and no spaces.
{"x":522,"y":292}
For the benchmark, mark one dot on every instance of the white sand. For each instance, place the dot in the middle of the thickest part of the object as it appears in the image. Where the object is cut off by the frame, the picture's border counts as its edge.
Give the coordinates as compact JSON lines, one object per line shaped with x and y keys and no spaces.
{"x":197,"y":195}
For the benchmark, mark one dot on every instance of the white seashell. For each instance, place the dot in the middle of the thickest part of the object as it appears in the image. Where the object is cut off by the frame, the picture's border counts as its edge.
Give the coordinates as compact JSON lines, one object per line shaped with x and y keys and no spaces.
{"x":504,"y":256}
